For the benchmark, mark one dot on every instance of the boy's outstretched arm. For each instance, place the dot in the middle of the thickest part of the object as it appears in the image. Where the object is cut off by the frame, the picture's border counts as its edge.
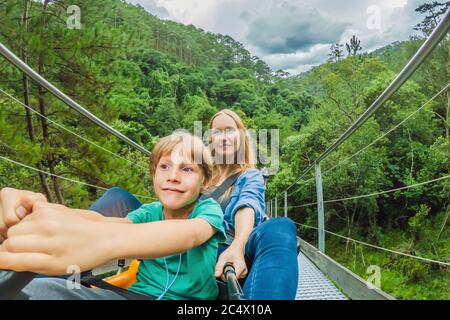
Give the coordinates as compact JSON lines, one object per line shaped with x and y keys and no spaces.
{"x":14,"y":206}
{"x":92,"y":215}
{"x":53,"y":238}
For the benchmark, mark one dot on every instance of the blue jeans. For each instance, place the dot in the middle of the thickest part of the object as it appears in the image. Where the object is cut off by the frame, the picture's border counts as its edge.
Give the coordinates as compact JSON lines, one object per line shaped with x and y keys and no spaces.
{"x":270,"y":252}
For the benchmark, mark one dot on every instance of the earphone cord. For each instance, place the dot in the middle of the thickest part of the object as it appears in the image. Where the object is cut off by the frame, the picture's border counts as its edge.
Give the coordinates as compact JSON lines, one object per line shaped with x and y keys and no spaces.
{"x":167,"y":279}
{"x":167,"y":275}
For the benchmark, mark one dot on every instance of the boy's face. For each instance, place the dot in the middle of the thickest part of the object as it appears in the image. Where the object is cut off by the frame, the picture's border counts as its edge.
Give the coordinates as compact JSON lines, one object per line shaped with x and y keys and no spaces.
{"x":177,"y":181}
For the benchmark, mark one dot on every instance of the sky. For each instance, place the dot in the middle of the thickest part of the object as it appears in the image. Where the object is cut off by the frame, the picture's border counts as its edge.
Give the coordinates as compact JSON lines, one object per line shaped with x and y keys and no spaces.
{"x":295,"y":35}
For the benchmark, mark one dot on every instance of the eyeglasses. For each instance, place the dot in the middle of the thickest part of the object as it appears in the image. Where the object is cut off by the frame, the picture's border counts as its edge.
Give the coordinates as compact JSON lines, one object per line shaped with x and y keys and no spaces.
{"x":218,"y":132}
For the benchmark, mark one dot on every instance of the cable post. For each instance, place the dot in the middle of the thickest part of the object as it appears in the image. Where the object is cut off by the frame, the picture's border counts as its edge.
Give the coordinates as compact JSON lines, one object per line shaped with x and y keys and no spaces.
{"x":320,"y":209}
{"x":285,"y":204}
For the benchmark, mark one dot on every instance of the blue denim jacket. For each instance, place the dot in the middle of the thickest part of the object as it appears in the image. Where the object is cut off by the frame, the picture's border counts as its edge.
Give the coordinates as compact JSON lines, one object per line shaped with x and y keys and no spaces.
{"x":248,"y":191}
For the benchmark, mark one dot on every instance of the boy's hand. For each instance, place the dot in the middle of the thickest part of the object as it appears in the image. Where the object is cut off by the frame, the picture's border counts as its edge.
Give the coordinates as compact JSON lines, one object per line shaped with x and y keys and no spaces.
{"x":53,"y":238}
{"x":235,"y":256}
{"x":14,"y":206}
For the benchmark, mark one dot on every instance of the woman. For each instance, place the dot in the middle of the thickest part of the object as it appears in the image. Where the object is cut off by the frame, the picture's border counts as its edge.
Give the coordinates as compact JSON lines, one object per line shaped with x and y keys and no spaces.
{"x":267,"y":249}
{"x":264,"y":254}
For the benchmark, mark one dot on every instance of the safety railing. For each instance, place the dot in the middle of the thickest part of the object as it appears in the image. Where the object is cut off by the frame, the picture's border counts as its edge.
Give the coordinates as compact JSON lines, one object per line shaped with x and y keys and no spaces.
{"x":418,"y":59}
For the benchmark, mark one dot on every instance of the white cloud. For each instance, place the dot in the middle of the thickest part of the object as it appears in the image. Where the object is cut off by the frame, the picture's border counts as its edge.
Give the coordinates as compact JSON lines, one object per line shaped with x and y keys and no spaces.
{"x":284,"y":42}
{"x":290,"y":30}
{"x":290,"y":61}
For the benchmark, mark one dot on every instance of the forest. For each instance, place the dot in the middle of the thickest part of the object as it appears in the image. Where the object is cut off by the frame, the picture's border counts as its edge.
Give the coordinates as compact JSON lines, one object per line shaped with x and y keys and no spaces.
{"x":148,"y":77}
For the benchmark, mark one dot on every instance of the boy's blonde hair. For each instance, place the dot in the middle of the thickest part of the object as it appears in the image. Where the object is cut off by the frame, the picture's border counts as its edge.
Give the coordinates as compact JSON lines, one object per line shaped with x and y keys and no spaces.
{"x":192,"y":148}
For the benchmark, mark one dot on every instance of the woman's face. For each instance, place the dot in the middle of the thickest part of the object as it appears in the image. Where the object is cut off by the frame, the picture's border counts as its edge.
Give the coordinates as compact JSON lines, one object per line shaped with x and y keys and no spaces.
{"x":225,"y":137}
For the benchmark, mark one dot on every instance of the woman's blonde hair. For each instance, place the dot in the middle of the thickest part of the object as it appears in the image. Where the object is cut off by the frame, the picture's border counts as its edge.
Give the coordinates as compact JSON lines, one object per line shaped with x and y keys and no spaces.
{"x":192,"y":148}
{"x":238,"y":166}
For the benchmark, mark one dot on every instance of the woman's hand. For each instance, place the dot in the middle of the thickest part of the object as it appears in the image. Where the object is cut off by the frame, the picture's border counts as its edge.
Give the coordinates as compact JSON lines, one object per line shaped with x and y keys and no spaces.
{"x":55,"y":240}
{"x":14,"y":206}
{"x":235,"y":255}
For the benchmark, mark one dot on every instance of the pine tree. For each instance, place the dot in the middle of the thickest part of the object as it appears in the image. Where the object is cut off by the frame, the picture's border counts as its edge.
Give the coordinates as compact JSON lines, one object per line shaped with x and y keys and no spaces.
{"x":26,"y":98}
{"x":434,"y":11}
{"x":354,"y":46}
{"x":336,"y":53}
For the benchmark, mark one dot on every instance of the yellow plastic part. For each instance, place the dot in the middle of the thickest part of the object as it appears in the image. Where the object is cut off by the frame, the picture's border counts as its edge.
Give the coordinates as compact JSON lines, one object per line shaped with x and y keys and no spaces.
{"x":127,"y":278}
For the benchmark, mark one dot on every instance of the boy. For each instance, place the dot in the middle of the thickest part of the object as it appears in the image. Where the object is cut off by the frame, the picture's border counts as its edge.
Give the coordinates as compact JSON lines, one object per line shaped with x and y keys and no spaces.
{"x":177,"y":237}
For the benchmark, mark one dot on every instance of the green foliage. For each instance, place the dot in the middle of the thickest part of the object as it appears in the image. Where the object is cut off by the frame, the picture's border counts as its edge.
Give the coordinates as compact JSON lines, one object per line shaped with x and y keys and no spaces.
{"x":416,"y":223}
{"x":149,"y":77}
{"x":412,"y":269}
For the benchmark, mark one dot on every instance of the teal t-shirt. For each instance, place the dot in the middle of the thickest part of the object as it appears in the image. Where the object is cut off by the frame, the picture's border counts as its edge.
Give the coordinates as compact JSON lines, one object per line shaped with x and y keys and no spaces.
{"x":195,"y":278}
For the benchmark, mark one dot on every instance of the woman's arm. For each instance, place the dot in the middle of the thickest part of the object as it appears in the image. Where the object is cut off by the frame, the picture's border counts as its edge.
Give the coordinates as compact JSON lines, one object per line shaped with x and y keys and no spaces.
{"x":250,"y":208}
{"x":244,"y":221}
{"x":251,"y":195}
{"x":243,"y":226}
{"x":53,"y":238}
